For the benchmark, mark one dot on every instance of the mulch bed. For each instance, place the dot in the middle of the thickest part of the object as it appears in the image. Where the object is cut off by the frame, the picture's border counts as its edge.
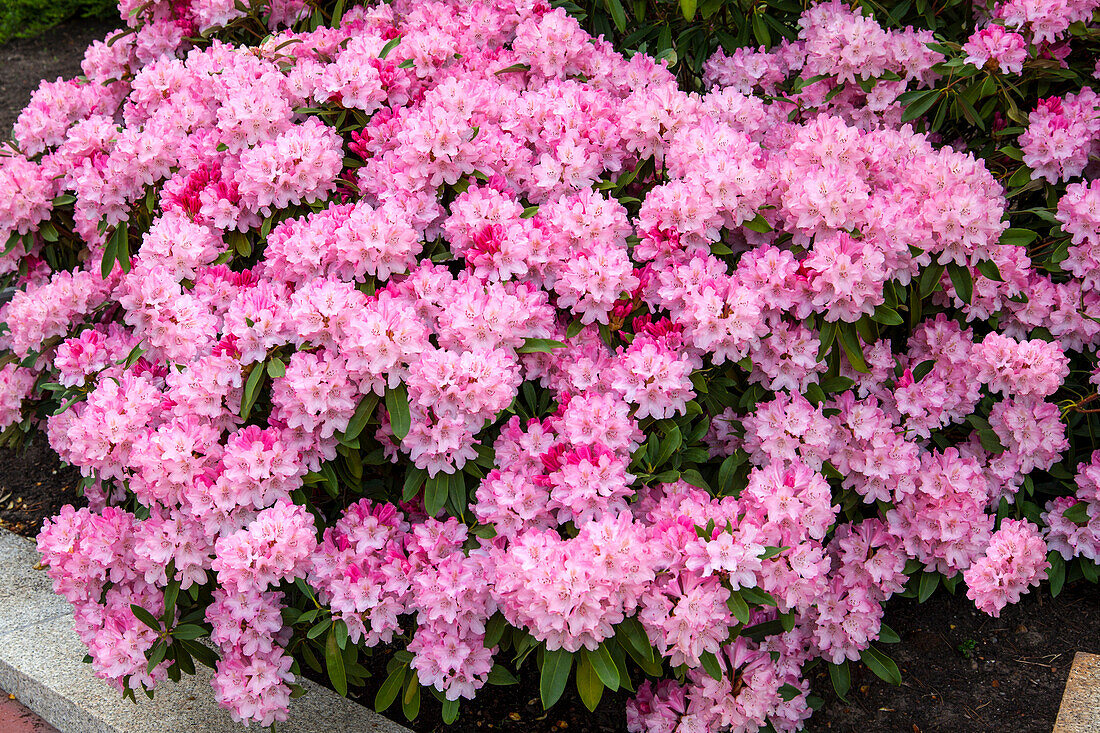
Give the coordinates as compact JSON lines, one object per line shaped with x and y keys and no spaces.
{"x":33,"y":486}
{"x":963,"y":671}
{"x":27,"y":61}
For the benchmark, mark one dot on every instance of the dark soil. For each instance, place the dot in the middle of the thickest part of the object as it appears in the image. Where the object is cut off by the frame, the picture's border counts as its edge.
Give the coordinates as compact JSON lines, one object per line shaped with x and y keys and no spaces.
{"x":28,"y":61}
{"x":962,"y":671}
{"x":34,"y":486}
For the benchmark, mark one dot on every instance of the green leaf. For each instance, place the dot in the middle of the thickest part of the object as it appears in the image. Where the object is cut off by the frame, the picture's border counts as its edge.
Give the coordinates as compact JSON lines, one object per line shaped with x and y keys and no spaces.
{"x":589,"y":686}
{"x":770,"y":552}
{"x":435,"y":493}
{"x":887,"y":316}
{"x":738,"y":607}
{"x":334,"y":662}
{"x":986,"y":435}
{"x":962,"y":280}
{"x":618,"y":14}
{"x":887,"y":635}
{"x":760,"y":31}
{"x":156,"y":655}
{"x":337,"y":14}
{"x":498,"y":675}
{"x":171,"y":593}
{"x":391,"y":45}
{"x":920,"y":371}
{"x":319,"y":628}
{"x":1089,"y":569}
{"x":12,"y":241}
{"x":414,"y":479}
{"x":240,"y":242}
{"x":632,"y":637}
{"x":1057,"y":572}
{"x":711,"y":665}
{"x":695,"y":478}
{"x":758,"y":596}
{"x":920,"y":105}
{"x":410,"y":701}
{"x":64,"y":200}
{"x":726,"y":471}
{"x":929,"y":279}
{"x":603,"y":664}
{"x":514,"y":68}
{"x":362,"y":416}
{"x":145,"y":617}
{"x":539,"y":346}
{"x":1078,"y":513}
{"x":121,"y":237}
{"x":276,"y":369}
{"x":397,"y":404}
{"x":758,"y":224}
{"x":883,"y":667}
{"x":109,"y":257}
{"x":387,"y":693}
{"x":206,"y":656}
{"x":1018,"y":237}
{"x":450,"y":711}
{"x":48,"y":231}
{"x":928,"y":584}
{"x":687,"y":7}
{"x":341,"y":630}
{"x":836,"y":384}
{"x":669,"y":445}
{"x":252,"y":389}
{"x":849,"y":341}
{"x":841,"y":677}
{"x":188,"y":631}
{"x":789,"y":692}
{"x":554,"y":675}
{"x":989,"y":269}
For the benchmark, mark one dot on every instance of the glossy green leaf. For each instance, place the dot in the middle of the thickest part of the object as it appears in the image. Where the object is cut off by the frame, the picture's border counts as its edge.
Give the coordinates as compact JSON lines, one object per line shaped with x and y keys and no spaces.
{"x":711,"y":665}
{"x":252,"y":389}
{"x":603,"y":664}
{"x":389,"y":690}
{"x":145,"y":617}
{"x":738,"y":607}
{"x":554,"y":675}
{"x":539,"y":346}
{"x":849,"y":341}
{"x":498,"y":675}
{"x":589,"y":686}
{"x":334,"y":663}
{"x":883,"y":667}
{"x":188,"y":631}
{"x":841,"y":677}
{"x":390,"y":45}
{"x":397,"y":405}
{"x":962,"y":281}
{"x":436,"y":490}
{"x":929,"y":581}
{"x":618,"y":14}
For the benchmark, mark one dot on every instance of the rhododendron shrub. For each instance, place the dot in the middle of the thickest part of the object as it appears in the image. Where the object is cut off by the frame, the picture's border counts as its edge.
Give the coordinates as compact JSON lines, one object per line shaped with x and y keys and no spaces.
{"x":443,"y":331}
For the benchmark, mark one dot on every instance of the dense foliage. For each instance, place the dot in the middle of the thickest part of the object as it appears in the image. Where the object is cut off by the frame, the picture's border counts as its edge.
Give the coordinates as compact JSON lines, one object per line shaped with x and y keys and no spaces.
{"x":445,"y":331}
{"x":27,"y":18}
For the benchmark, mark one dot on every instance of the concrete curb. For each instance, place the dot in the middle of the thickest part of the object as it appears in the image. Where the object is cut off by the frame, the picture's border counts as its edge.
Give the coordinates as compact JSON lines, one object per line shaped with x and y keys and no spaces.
{"x":40,"y":663}
{"x":1080,"y":709}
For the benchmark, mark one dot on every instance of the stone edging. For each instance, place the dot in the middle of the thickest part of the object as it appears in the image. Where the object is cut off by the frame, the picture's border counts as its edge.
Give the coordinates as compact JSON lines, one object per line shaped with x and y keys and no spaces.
{"x":40,"y":663}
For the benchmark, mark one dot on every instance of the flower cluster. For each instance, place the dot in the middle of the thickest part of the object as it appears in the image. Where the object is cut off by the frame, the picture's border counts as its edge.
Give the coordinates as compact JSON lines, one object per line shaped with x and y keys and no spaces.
{"x":452,"y":327}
